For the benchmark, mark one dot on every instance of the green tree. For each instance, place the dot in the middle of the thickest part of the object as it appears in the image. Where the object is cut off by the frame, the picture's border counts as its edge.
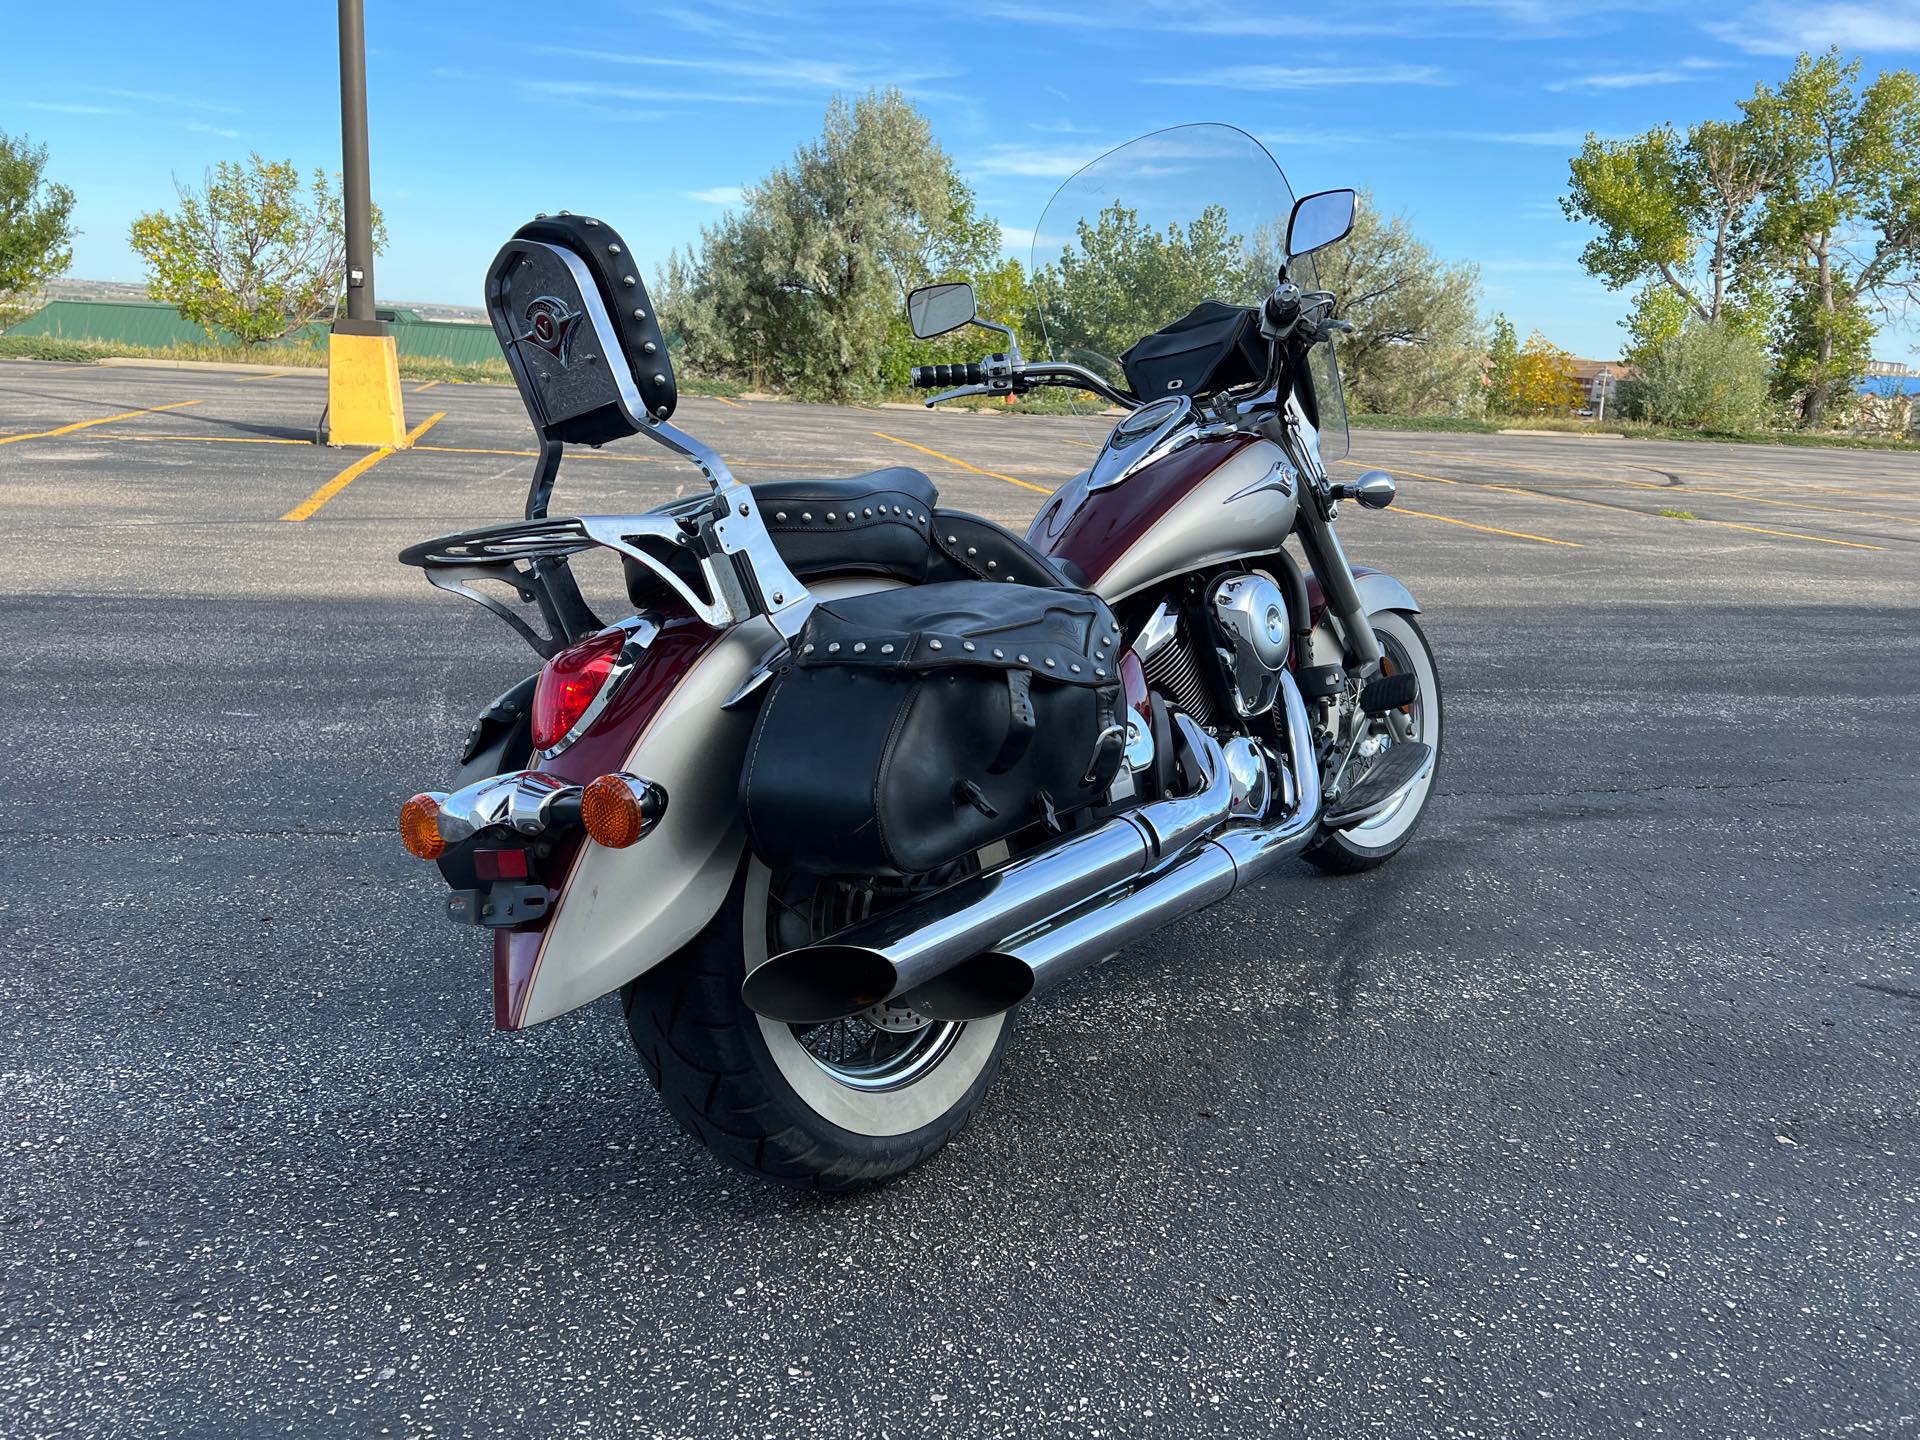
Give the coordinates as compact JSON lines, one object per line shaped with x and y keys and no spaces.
{"x":1660,"y":313}
{"x":1845,"y":218}
{"x":1503,"y":361}
{"x":1678,"y":209}
{"x":1417,"y":341}
{"x":1709,"y":376}
{"x":802,"y":287}
{"x":36,"y":220}
{"x":1121,"y":278}
{"x":253,"y":251}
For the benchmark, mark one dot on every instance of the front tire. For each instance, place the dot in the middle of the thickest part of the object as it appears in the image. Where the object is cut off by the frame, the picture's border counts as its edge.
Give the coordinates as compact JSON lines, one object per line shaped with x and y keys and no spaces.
{"x":1374,"y":842}
{"x":813,"y":1107}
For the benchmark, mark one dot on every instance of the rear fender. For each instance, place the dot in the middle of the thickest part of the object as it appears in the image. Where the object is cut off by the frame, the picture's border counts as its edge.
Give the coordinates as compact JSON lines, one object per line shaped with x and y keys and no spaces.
{"x":619,"y":913}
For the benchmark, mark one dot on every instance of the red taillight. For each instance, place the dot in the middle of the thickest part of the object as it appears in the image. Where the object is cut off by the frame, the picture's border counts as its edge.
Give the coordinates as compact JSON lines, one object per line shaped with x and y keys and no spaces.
{"x":569,"y":685}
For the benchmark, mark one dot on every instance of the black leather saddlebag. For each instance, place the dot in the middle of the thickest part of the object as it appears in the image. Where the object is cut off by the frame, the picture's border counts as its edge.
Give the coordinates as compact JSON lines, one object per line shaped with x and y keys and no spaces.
{"x":917,"y":725}
{"x":1212,"y":347}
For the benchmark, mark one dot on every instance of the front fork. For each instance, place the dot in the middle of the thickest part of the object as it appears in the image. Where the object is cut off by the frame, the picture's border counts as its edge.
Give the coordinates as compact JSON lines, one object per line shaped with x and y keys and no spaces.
{"x":1329,"y":561}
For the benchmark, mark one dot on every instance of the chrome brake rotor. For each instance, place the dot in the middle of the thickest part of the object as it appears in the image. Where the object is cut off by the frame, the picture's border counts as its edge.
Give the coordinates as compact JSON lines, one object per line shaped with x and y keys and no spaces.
{"x":894,"y":1018}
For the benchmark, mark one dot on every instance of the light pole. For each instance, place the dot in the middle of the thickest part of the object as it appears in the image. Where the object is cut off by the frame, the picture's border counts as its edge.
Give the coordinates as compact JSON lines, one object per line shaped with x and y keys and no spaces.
{"x":363,"y":364}
{"x":1606,"y":384}
{"x":356,"y":188}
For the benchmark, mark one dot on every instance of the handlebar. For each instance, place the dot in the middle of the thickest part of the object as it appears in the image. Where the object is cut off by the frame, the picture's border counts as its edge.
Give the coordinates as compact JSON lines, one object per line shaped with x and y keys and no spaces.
{"x":933,"y":377}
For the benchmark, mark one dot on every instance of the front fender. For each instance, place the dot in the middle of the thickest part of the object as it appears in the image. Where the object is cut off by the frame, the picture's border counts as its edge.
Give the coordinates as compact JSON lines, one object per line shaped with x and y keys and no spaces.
{"x":1378,"y":591}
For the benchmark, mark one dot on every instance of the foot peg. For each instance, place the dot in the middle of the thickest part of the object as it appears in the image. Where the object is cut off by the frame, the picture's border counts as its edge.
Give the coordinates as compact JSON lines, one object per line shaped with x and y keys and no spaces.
{"x":1389,"y":692}
{"x":1393,"y":773}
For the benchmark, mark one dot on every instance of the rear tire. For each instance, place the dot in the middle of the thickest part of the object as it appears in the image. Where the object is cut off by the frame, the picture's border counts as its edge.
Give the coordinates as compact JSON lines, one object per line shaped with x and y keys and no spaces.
{"x":1373,"y":843}
{"x":753,"y":1093}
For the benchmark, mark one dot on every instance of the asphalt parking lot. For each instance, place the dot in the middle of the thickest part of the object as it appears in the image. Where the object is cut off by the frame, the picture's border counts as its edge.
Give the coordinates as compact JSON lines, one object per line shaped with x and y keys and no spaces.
{"x":1592,"y":1114}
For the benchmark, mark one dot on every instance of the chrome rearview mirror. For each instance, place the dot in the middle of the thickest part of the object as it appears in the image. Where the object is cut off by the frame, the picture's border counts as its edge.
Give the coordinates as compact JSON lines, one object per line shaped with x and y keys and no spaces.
{"x":1375,"y":489}
{"x":935,"y":309}
{"x":1318,"y":221}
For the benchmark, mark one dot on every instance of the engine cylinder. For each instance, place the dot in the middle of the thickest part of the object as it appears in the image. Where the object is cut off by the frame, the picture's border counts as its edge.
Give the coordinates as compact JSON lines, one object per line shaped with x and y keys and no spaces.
{"x":1250,"y":618}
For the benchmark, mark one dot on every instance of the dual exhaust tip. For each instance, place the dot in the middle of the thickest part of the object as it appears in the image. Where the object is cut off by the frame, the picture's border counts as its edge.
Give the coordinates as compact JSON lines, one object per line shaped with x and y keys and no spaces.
{"x":988,"y":942}
{"x":829,"y":981}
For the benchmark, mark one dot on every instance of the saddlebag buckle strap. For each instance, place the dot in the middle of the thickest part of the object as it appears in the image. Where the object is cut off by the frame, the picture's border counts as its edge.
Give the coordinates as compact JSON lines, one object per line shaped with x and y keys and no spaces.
{"x":1021,"y":723}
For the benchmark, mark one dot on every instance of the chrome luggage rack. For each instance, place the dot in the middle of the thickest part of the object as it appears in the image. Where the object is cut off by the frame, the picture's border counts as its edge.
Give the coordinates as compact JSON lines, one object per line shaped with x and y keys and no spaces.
{"x":573,"y":328}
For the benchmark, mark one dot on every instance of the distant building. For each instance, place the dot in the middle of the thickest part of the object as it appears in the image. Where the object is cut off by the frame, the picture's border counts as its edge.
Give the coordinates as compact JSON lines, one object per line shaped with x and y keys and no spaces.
{"x":1600,"y":378}
{"x":1889,"y":367}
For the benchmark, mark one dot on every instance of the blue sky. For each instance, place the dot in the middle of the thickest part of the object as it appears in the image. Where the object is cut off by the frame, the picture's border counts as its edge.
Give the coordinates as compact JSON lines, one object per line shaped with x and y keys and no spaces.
{"x":1460,"y":113}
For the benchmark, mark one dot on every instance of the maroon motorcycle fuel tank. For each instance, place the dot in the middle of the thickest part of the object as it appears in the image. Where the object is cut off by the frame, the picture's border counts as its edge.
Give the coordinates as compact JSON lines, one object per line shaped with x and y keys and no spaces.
{"x":1204,"y":503}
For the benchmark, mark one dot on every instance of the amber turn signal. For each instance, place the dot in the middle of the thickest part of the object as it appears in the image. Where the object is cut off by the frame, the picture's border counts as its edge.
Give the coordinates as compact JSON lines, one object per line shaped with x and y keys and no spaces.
{"x":420,"y":827}
{"x":616,"y":810}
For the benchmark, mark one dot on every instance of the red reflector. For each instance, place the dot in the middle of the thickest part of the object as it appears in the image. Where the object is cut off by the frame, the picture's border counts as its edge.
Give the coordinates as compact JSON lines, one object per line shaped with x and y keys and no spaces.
{"x":568,"y":685}
{"x":500,"y":864}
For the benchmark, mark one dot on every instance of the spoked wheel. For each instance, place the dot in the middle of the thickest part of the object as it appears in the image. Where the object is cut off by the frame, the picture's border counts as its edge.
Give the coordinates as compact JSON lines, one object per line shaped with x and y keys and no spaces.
{"x":833,"y":1106}
{"x":1404,"y":650}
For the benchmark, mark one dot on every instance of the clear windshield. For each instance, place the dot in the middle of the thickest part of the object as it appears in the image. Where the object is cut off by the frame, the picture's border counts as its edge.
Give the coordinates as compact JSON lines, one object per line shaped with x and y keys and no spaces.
{"x":1140,"y":236}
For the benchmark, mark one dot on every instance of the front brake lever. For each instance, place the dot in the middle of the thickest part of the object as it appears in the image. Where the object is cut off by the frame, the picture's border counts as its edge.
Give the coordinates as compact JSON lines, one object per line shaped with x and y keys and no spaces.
{"x":964,"y":390}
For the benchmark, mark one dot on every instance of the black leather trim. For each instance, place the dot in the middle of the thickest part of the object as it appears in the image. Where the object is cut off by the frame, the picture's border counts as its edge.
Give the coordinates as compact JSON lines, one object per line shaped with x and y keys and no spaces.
{"x":972,"y":548}
{"x":609,"y":260}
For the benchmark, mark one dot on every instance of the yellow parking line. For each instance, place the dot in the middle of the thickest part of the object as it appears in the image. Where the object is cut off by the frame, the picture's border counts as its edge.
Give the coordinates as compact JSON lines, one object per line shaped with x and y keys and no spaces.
{"x":103,"y":420}
{"x":1684,"y":490}
{"x":209,"y":439}
{"x":1726,"y":524}
{"x":1489,"y":529}
{"x":1396,"y":470}
{"x":256,"y":379}
{"x":1764,"y":500}
{"x":310,"y":506}
{"x":734,"y":404}
{"x":535,"y":454}
{"x":975,"y":469}
{"x":422,"y":389}
{"x":1083,"y":444}
{"x":1785,"y":534}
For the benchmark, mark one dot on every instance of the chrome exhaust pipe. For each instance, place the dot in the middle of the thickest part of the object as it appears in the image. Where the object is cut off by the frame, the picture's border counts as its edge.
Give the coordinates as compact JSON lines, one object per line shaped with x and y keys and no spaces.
{"x":938,"y":949}
{"x":1055,"y":949}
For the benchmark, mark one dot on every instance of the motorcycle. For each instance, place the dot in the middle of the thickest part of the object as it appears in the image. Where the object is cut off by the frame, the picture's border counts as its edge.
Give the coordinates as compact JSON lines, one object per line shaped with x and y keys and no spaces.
{"x":861,"y":774}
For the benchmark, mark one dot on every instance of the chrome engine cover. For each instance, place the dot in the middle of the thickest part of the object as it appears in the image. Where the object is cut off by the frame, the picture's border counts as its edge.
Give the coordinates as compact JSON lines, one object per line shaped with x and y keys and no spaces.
{"x":1250,"y":621}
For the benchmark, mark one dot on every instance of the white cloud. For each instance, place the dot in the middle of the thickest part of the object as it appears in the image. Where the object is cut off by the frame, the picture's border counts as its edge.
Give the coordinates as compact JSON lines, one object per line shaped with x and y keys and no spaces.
{"x":1776,"y":28}
{"x":1044,"y":162}
{"x":1307,"y":77}
{"x":1016,"y":240}
{"x":719,"y":195}
{"x":161,"y":97}
{"x":580,"y":91}
{"x":1551,"y":139}
{"x":1678,"y":74}
{"x":201,"y":127}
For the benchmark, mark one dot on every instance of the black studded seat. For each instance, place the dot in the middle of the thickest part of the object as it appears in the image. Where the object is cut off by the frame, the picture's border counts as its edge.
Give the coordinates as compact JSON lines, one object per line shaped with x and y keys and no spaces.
{"x":872,"y":524}
{"x":888,"y":522}
{"x":885,"y":522}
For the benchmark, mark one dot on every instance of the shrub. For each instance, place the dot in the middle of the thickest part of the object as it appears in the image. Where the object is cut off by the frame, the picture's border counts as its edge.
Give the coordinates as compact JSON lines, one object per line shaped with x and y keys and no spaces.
{"x":1708,"y":377}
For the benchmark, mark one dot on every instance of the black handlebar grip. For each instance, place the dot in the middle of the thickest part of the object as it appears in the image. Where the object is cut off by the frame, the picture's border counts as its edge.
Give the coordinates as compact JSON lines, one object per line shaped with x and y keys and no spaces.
{"x":930,"y":377}
{"x":1282,"y":313}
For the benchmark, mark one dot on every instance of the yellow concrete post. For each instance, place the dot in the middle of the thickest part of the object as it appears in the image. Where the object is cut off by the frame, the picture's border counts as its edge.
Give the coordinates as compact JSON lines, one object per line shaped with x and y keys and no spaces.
{"x":363,"y":391}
